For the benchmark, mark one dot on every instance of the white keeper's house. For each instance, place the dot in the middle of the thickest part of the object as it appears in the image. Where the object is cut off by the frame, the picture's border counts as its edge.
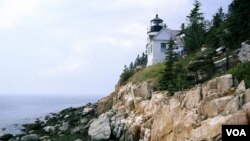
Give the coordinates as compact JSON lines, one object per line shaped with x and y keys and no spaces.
{"x":157,"y":42}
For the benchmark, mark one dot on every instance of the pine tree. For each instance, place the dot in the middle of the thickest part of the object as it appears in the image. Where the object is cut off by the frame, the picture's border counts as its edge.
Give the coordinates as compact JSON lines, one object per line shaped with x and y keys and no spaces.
{"x":125,"y":68}
{"x":137,"y":61}
{"x":167,"y":81}
{"x":195,"y":30}
{"x":238,"y":23}
{"x":143,"y":59}
{"x":131,"y":66}
{"x":216,"y":31}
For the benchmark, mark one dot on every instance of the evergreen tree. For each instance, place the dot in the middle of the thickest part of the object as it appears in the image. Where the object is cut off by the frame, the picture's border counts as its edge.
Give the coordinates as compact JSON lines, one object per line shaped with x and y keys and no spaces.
{"x":131,"y":66}
{"x":126,"y":74}
{"x":195,"y":30}
{"x":125,"y":68}
{"x":137,"y":61}
{"x":238,"y":23}
{"x":202,"y":66}
{"x":180,"y":76}
{"x":146,"y":59}
{"x":216,"y":31}
{"x":143,"y":59}
{"x":167,"y":81}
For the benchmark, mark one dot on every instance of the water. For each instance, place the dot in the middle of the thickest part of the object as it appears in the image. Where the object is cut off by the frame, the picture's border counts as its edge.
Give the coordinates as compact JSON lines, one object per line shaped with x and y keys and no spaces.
{"x":16,"y":110}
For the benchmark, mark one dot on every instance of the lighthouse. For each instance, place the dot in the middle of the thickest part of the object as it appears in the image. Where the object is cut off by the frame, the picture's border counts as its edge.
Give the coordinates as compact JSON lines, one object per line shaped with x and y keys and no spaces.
{"x":157,"y":41}
{"x":156,"y":25}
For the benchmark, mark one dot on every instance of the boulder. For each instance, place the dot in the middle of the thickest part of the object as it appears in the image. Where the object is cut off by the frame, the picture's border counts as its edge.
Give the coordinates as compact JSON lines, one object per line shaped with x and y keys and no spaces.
{"x":224,"y":83}
{"x":246,"y":109}
{"x":31,"y":137}
{"x":155,"y":102}
{"x":232,"y":106}
{"x":208,"y":130}
{"x":212,"y":107}
{"x":193,"y":97}
{"x":241,"y":88}
{"x":144,"y":90}
{"x":49,"y":129}
{"x":64,"y":127}
{"x":244,"y":53}
{"x":84,"y":121}
{"x":210,"y":87}
{"x":163,"y":123}
{"x":66,"y":116}
{"x":44,"y":138}
{"x":238,"y":118}
{"x":6,"y":137}
{"x":87,"y":110}
{"x":76,"y":129}
{"x":100,"y":128}
{"x":104,"y":104}
{"x":147,"y":135}
{"x":246,"y":96}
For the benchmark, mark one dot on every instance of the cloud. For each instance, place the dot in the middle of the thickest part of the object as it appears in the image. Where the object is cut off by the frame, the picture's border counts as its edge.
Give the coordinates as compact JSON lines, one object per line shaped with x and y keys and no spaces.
{"x":56,"y":46}
{"x":69,"y":63}
{"x":12,"y":11}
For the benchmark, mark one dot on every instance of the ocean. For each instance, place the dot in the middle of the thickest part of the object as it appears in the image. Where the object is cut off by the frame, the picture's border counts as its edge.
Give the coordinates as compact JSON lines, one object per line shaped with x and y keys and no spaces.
{"x":17,"y":110}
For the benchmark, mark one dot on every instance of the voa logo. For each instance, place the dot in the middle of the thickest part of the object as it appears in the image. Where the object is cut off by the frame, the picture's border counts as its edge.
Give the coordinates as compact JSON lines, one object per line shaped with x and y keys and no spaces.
{"x":236,"y":132}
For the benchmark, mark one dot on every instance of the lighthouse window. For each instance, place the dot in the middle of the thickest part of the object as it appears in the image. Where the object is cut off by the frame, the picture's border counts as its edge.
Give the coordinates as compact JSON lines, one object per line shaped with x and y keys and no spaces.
{"x":150,"y":49}
{"x":163,"y":47}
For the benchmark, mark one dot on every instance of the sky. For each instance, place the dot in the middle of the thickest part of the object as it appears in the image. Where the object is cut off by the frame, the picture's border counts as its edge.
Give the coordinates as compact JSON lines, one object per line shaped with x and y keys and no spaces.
{"x":79,"y":47}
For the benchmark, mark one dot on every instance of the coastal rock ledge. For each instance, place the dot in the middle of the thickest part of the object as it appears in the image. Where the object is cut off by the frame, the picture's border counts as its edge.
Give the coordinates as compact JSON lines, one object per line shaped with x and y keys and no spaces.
{"x":196,"y":114}
{"x":134,"y":112}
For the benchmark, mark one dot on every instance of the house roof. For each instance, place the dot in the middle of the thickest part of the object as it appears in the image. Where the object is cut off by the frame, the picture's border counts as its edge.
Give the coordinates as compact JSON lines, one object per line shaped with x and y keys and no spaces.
{"x":173,"y":33}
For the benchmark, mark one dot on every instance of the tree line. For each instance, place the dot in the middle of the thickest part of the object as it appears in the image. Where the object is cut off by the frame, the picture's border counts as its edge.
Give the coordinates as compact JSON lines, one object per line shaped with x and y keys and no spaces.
{"x":128,"y":71}
{"x":225,"y":29}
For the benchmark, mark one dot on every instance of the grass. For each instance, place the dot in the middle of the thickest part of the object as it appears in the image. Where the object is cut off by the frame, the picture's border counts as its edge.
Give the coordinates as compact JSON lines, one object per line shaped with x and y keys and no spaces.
{"x":153,"y":73}
{"x":149,"y":73}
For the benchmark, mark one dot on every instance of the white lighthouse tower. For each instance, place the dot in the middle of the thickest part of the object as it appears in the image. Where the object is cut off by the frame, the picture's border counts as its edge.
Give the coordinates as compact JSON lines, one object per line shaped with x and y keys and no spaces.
{"x":158,"y":37}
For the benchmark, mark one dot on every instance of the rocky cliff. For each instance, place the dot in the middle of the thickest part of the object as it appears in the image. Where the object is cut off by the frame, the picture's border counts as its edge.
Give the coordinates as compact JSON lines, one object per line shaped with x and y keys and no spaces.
{"x":134,"y":112}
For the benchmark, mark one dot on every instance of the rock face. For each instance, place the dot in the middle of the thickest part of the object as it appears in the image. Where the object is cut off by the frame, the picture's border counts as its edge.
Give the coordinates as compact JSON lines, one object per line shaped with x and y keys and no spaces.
{"x":244,"y":54}
{"x":196,"y":114}
{"x":135,"y":113}
{"x":31,"y":137}
{"x":104,"y":104}
{"x":100,"y":128}
{"x":49,"y":129}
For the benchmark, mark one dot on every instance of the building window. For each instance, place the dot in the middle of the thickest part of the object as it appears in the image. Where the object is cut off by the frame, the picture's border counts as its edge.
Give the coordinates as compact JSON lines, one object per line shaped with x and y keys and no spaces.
{"x":150,"y":49}
{"x":163,"y":47}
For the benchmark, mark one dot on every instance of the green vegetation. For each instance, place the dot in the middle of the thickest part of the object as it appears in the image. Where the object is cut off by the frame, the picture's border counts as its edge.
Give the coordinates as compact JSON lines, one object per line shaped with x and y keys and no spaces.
{"x":242,"y":72}
{"x":195,"y":30}
{"x":124,"y":77}
{"x":237,"y":23}
{"x":140,"y":62}
{"x":150,"y":73}
{"x":225,"y":29}
{"x":201,"y":67}
{"x":168,"y":79}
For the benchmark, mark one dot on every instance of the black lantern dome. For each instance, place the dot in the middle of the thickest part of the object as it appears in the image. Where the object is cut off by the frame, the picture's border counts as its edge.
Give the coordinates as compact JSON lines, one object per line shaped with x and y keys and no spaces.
{"x":156,"y":24}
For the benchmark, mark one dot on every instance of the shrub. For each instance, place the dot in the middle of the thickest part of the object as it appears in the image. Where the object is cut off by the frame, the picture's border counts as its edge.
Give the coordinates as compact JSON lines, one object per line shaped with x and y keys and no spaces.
{"x":242,"y":72}
{"x":124,"y":77}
